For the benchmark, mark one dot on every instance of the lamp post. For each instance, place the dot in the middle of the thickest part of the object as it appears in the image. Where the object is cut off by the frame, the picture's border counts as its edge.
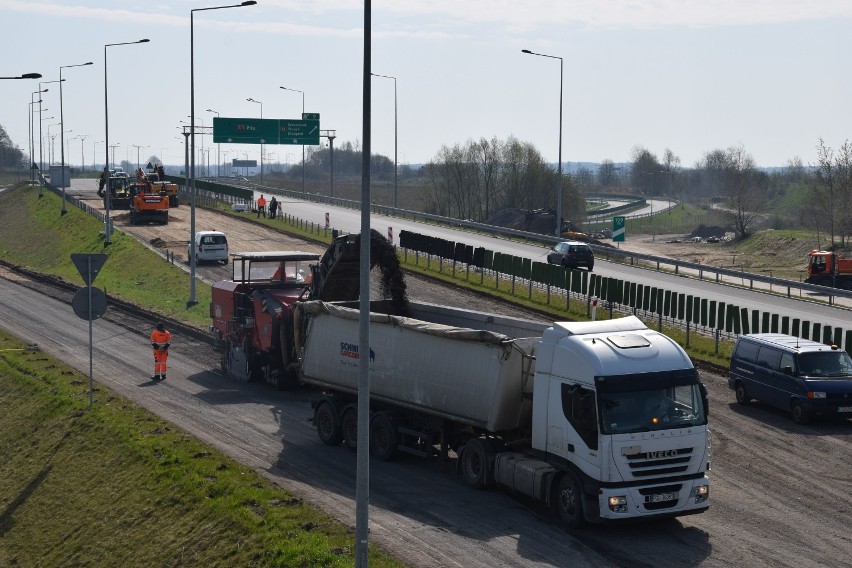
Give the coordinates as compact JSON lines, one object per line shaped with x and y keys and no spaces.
{"x":251,"y":100}
{"x":137,"y":153}
{"x":192,"y":301}
{"x":303,"y":146}
{"x":395,"y":167}
{"x":559,"y":167}
{"x":25,"y":76}
{"x":95,"y":153}
{"x":40,"y":135}
{"x":218,"y":146}
{"x":62,"y":136}
{"x":32,"y":131}
{"x":107,"y":194}
{"x":82,"y":138}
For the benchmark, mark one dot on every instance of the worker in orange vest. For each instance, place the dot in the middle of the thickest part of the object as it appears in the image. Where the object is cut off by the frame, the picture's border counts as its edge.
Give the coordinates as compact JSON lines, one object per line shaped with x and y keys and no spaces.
{"x":161,"y":339}
{"x":261,"y":206}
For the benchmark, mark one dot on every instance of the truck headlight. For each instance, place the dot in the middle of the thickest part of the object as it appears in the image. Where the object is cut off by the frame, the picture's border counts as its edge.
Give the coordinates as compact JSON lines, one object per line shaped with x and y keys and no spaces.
{"x":701,"y":493}
{"x":618,"y":503}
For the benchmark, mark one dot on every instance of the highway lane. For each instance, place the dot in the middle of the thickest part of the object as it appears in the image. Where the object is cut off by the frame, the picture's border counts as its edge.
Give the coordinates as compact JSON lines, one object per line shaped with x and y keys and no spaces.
{"x":349,"y":220}
{"x":802,"y":308}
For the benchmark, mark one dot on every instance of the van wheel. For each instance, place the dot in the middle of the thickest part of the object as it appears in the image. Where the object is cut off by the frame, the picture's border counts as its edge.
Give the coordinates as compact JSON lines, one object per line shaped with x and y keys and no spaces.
{"x":799,"y":414}
{"x":569,"y":501}
{"x":742,"y":396}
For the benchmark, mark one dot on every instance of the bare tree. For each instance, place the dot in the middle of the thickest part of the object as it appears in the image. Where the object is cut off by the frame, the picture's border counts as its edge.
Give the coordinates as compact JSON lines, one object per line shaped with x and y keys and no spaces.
{"x":741,"y":185}
{"x":646,"y":172}
{"x":607,"y":174}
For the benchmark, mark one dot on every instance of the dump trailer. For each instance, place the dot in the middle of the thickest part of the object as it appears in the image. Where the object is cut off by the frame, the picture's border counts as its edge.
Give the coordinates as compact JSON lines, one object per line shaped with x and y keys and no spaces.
{"x":603,"y":421}
{"x":252,"y":319}
{"x":827,"y":268}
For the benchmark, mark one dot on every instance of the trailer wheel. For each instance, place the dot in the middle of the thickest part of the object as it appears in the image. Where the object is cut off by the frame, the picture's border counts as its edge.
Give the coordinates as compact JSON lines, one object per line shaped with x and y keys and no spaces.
{"x":474,"y":463}
{"x":742,"y":395}
{"x":569,"y":501}
{"x":328,"y":424}
{"x":383,"y":438}
{"x":349,"y":425}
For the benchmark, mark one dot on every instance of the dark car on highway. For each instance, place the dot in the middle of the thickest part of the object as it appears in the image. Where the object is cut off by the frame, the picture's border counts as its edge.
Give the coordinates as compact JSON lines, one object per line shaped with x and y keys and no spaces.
{"x":572,"y":254}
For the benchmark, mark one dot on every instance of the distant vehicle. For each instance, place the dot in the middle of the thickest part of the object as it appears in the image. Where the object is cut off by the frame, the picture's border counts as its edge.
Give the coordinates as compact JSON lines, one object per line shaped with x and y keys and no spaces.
{"x":713,"y":239}
{"x":241,"y":207}
{"x":696,"y":240}
{"x":572,"y":254}
{"x":210,"y":246}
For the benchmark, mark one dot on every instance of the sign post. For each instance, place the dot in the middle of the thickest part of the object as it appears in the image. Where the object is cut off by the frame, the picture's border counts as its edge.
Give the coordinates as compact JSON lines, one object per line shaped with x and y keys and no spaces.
{"x":619,"y":231}
{"x":89,"y":303}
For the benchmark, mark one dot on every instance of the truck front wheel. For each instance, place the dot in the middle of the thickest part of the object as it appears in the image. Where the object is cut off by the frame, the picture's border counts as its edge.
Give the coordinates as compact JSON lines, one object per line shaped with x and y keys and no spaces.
{"x":328,"y":424}
{"x":569,"y":501}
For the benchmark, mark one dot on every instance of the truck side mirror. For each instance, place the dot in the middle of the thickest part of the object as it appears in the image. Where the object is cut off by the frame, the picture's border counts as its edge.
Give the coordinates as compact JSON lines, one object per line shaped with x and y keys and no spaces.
{"x":704,"y":400}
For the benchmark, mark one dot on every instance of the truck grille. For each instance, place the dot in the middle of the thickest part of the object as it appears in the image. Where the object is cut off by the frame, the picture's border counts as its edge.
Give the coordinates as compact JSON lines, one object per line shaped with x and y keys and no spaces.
{"x":652,"y":464}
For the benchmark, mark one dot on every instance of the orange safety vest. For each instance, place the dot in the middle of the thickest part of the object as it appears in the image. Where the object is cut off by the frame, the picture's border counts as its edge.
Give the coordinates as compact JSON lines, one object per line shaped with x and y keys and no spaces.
{"x":161,"y":337}
{"x":261,"y":202}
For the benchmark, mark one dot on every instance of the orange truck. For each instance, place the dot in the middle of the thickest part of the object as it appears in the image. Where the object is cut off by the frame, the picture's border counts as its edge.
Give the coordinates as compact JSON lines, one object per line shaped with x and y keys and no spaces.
{"x":827,"y":268}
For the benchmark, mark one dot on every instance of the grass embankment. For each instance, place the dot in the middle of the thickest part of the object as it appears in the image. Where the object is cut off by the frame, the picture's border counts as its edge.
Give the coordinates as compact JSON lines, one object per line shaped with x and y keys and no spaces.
{"x":114,"y":484}
{"x":35,"y":235}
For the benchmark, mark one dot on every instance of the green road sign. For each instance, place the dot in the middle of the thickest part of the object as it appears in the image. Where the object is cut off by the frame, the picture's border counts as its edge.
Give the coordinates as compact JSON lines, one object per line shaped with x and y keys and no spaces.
{"x":266,"y":131}
{"x":619,"y":232}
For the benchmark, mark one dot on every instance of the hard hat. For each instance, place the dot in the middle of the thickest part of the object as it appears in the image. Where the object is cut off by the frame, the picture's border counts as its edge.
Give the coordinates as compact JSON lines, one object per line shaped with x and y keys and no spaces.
{"x":161,"y":326}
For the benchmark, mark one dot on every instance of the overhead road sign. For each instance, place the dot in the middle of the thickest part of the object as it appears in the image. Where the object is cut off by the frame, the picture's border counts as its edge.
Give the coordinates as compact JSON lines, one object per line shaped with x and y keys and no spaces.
{"x":267,"y":130}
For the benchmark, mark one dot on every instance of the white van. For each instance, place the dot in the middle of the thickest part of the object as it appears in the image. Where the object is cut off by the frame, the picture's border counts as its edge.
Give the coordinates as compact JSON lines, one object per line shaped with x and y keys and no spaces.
{"x":210,"y":246}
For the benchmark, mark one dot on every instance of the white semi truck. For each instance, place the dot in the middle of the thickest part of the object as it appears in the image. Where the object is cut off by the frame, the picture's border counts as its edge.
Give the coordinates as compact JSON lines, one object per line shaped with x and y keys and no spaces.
{"x":603,"y":421}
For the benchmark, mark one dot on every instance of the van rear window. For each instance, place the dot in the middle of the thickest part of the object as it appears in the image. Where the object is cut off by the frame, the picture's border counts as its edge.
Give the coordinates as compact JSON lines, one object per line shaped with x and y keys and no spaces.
{"x":747,"y":351}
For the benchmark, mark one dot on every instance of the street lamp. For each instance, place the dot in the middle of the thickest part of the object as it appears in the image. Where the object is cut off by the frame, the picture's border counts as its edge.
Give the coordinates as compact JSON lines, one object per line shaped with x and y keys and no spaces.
{"x":137,"y":153}
{"x":95,"y":153}
{"x":192,"y":301}
{"x":303,"y":146}
{"x":251,"y":100}
{"x":218,"y":146}
{"x":25,"y":76}
{"x":107,"y":194}
{"x":41,"y":146}
{"x":62,"y":136}
{"x":395,"y":167}
{"x":40,"y":135}
{"x":559,"y":168}
{"x":82,"y":138}
{"x":32,"y":131}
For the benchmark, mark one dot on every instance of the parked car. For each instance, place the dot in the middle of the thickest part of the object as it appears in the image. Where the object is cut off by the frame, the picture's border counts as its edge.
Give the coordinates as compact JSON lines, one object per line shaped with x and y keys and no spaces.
{"x":800,"y":376}
{"x":210,"y":246}
{"x":572,"y":254}
{"x":713,"y":239}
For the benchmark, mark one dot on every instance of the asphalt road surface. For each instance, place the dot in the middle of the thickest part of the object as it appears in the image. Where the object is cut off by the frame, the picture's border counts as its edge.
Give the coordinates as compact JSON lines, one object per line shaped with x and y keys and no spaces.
{"x":780,"y":492}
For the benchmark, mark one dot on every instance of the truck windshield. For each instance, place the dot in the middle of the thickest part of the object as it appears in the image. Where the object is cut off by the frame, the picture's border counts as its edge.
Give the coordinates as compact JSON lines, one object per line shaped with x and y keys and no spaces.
{"x":654,"y":409}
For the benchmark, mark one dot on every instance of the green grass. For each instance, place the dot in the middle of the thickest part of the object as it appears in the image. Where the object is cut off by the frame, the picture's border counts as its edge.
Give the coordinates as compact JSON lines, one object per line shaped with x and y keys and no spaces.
{"x":115,"y":485}
{"x":34,"y":234}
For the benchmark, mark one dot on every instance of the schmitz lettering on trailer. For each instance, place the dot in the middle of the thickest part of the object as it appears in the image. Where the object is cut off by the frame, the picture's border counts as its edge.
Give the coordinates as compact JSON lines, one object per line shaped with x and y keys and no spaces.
{"x":350,"y":350}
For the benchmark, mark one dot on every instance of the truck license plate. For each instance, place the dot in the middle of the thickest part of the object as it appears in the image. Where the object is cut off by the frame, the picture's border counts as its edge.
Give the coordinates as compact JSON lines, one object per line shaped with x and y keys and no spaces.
{"x":660,"y":497}
{"x":845,"y":409}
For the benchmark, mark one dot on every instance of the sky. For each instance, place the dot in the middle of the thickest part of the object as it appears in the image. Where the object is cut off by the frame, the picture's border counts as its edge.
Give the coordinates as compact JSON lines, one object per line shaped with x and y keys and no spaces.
{"x":771,"y":76}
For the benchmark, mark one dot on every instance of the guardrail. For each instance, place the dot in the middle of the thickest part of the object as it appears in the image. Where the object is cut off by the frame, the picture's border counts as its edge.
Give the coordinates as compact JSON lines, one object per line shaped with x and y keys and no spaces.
{"x":718,"y":274}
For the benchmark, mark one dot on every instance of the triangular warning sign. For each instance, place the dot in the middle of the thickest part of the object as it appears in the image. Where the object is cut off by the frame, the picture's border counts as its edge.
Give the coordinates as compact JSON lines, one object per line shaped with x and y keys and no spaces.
{"x":88,"y":265}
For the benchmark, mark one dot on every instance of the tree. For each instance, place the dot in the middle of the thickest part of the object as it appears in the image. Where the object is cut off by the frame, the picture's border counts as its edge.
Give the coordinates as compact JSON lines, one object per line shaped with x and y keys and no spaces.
{"x":607,"y":176}
{"x":10,"y":155}
{"x":832,"y":189}
{"x":646,"y":172}
{"x":740,"y":182}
